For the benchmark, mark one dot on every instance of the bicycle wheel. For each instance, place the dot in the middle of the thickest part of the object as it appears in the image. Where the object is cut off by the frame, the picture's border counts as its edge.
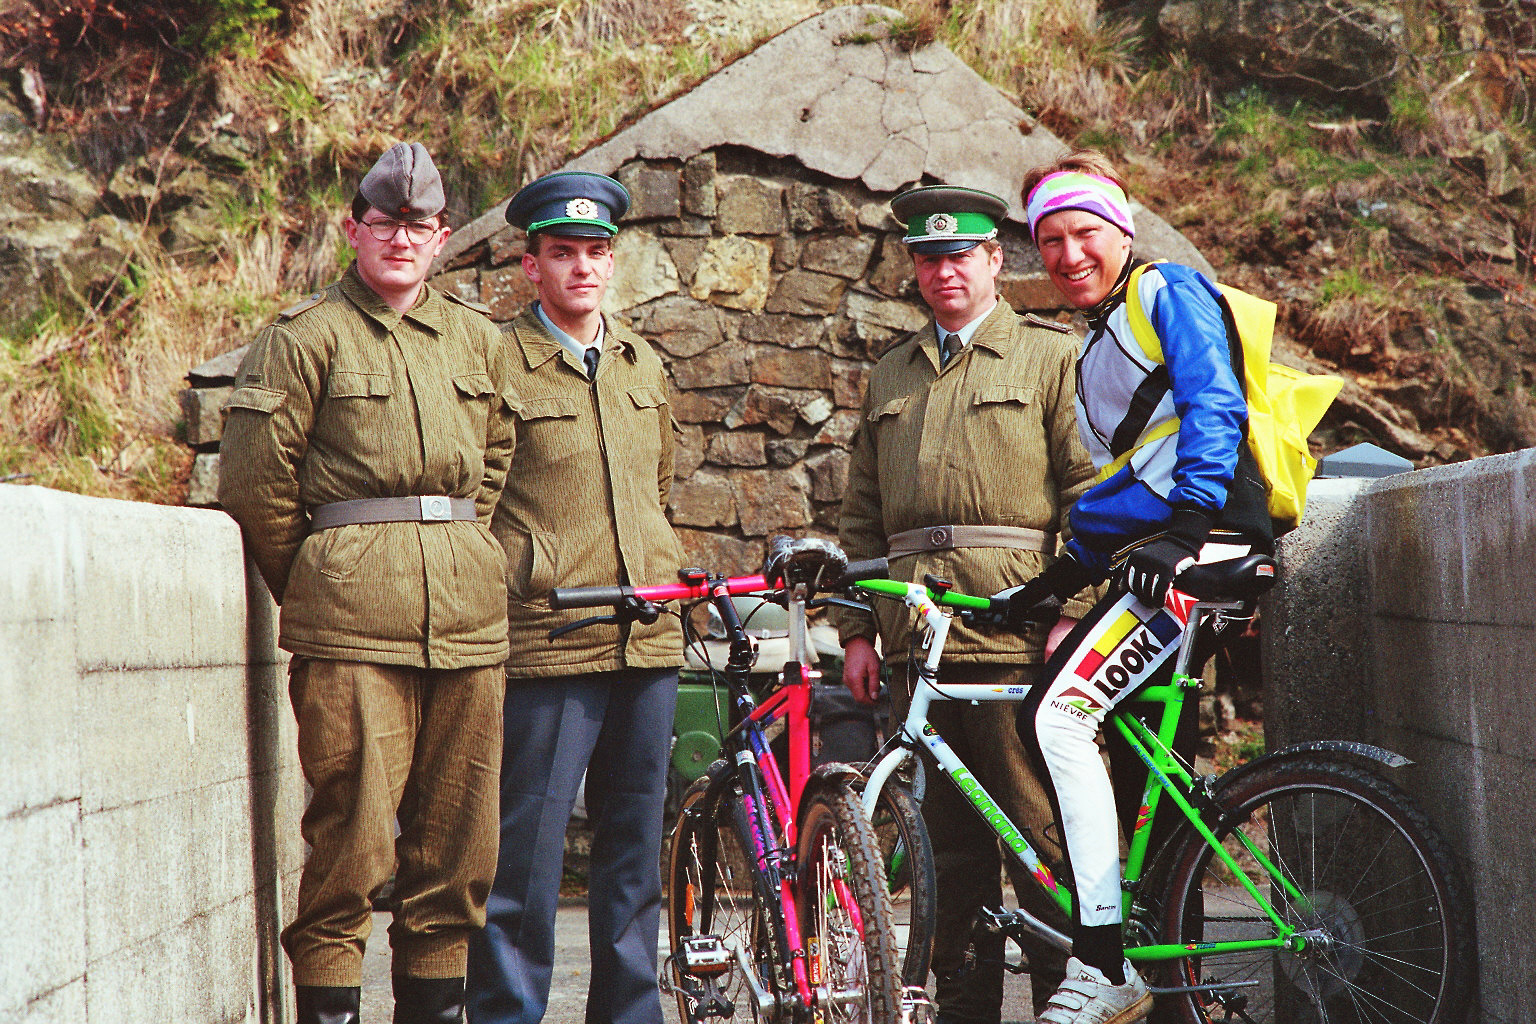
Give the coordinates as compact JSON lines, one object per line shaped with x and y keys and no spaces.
{"x":710,"y":892}
{"x":907,"y":857}
{"x":844,"y":911}
{"x":1383,"y":906}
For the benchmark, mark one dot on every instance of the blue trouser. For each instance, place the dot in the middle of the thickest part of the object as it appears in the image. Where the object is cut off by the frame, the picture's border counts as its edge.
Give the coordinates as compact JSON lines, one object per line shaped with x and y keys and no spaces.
{"x":617,"y":727}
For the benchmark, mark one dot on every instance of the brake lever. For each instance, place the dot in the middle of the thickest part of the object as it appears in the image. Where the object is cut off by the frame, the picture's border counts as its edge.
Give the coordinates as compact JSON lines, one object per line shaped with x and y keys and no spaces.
{"x":633,"y":609}
{"x":845,"y":602}
{"x":571,"y":627}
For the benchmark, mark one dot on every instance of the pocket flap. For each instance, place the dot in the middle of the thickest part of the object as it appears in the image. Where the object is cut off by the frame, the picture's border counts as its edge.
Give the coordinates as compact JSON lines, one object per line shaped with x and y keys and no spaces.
{"x":1019,"y":393}
{"x":351,"y":384}
{"x":474,"y":385}
{"x":891,"y":408}
{"x":647,"y":396}
{"x":543,"y":408}
{"x":257,"y":399}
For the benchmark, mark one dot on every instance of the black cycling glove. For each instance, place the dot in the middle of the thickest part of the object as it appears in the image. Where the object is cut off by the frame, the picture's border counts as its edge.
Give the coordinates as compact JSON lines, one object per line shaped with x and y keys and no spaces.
{"x":1039,"y":601}
{"x":1149,"y":570}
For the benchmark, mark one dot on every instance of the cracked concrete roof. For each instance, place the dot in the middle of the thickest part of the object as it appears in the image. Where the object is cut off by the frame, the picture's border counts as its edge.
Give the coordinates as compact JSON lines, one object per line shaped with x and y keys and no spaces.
{"x":834,"y":95}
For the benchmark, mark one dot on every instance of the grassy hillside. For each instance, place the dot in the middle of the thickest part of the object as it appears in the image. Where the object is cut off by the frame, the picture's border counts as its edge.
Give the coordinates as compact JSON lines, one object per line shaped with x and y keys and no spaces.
{"x":260,"y":115}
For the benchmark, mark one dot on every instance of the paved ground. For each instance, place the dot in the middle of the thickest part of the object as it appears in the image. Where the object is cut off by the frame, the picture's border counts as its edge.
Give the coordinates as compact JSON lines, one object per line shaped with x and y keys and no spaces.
{"x":568,"y":994}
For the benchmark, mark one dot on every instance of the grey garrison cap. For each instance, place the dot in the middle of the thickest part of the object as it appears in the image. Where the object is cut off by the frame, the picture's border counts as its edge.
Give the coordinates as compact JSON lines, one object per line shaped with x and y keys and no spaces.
{"x":404,"y":183}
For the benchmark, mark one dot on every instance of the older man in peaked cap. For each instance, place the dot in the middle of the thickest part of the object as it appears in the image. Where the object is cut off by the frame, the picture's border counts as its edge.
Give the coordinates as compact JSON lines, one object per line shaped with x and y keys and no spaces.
{"x":966,"y":459}
{"x":585,"y":505}
{"x":367,"y":440}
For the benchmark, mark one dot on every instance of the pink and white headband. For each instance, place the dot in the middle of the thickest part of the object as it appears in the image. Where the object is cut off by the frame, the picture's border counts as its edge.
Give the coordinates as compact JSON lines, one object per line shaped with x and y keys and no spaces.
{"x":1075,"y":190}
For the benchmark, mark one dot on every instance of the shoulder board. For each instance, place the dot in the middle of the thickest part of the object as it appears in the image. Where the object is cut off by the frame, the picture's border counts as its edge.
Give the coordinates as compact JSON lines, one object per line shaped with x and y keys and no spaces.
{"x":478,"y":307}
{"x":1050,"y":325}
{"x":306,"y":303}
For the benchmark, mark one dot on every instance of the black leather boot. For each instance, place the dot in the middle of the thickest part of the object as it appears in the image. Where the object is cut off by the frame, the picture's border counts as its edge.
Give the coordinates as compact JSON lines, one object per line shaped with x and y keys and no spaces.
{"x":428,"y":1000}
{"x":320,"y":1004}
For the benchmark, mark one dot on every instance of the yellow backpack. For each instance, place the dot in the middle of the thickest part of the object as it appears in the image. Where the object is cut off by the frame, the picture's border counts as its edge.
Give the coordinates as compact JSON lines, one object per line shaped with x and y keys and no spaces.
{"x":1284,"y":404}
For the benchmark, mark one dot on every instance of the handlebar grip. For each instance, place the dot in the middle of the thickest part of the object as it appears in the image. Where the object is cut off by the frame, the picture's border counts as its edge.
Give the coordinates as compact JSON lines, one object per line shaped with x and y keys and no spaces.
{"x":866,"y":569}
{"x":588,"y":597}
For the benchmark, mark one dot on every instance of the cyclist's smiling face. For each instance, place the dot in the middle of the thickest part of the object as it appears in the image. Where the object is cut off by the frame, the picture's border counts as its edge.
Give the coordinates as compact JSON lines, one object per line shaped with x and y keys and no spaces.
{"x":1083,"y":254}
{"x":959,"y":286}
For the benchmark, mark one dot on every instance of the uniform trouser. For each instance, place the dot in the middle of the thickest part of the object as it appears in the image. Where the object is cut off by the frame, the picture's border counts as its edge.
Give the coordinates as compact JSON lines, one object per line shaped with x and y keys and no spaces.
{"x":617,"y":726}
{"x":968,"y":859}
{"x":379,"y":743}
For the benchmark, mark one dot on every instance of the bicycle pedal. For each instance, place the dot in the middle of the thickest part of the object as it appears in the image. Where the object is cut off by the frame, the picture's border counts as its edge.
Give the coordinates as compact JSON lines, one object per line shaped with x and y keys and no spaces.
{"x":703,"y":956}
{"x":916,"y":1007}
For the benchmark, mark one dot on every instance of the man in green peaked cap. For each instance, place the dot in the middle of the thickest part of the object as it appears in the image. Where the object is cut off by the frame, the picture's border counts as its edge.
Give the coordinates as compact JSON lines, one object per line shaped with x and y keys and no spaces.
{"x":966,"y":459}
{"x":366,"y":444}
{"x":585,"y":505}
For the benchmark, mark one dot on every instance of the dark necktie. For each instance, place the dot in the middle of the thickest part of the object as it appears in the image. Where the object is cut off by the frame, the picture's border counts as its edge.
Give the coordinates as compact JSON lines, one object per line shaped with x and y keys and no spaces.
{"x":590,"y":358}
{"x":952,"y":347}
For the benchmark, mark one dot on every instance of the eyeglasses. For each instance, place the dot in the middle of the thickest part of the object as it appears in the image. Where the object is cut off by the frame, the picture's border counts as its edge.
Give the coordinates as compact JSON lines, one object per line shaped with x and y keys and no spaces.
{"x":416,"y":231}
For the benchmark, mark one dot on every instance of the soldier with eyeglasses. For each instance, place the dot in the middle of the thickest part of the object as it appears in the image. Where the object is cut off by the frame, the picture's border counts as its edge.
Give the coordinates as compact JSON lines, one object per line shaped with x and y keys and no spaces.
{"x":367,"y":441}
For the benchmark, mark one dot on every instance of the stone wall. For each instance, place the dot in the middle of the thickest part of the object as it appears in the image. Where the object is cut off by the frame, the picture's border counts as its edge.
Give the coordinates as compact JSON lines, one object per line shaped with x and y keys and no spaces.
{"x":1405,"y":618}
{"x":148,"y":845}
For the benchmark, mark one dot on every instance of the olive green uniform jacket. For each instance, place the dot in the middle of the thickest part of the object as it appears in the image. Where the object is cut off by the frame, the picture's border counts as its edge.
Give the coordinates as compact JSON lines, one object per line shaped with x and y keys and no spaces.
{"x":991,"y":440}
{"x":585,"y":501}
{"x":341,"y":398}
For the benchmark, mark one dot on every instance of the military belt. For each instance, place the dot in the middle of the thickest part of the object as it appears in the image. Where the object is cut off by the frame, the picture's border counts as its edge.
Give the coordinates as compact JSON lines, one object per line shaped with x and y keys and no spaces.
{"x":422,"y":508}
{"x":942,"y":538}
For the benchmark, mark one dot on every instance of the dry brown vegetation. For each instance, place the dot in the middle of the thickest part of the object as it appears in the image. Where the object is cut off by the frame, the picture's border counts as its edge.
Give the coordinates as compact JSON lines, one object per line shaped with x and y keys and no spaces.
{"x":1271,"y":185}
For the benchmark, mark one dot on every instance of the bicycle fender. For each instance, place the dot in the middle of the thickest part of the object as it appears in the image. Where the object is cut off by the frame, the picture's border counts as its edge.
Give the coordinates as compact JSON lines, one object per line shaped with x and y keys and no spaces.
{"x":833,"y":773}
{"x":1349,"y":748}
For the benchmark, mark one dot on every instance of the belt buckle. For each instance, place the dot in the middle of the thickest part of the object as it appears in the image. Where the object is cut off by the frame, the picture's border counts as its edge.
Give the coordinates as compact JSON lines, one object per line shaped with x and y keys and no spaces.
{"x":435,"y":508}
{"x":938,"y":537}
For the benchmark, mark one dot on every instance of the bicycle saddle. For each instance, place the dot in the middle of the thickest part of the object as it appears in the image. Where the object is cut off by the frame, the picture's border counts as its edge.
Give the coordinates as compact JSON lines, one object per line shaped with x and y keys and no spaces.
{"x":807,"y":560}
{"x":1235,"y":579}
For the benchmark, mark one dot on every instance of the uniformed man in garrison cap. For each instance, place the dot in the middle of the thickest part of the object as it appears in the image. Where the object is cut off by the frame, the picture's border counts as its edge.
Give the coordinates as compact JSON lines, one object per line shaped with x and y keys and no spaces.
{"x":367,"y":440}
{"x":965,"y":462}
{"x":585,"y":505}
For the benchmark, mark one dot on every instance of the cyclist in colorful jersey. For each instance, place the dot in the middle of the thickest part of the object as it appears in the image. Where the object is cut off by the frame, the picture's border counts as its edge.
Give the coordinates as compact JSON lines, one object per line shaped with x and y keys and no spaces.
{"x":1176,"y":483}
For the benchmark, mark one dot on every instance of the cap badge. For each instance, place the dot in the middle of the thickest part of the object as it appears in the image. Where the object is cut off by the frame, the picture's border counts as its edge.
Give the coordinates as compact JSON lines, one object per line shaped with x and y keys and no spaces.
{"x":581,"y":208}
{"x":942,"y":224}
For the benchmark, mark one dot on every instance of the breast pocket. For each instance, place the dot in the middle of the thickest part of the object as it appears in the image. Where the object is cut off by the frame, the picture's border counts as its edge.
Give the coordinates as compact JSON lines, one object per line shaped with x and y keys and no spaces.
{"x":474,"y":392}
{"x":550,"y":430}
{"x":356,"y":411}
{"x":647,"y":412}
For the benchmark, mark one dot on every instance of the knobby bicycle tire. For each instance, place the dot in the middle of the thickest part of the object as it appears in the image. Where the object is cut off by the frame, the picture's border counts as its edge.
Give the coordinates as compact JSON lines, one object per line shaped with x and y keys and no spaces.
{"x":1384,"y":903}
{"x":907,"y":856}
{"x":711,"y":891}
{"x":844,"y":911}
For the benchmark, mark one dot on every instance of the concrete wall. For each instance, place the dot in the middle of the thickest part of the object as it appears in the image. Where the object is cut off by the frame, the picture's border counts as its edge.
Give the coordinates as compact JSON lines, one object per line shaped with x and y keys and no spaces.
{"x":1406,"y":618}
{"x":148,"y":771}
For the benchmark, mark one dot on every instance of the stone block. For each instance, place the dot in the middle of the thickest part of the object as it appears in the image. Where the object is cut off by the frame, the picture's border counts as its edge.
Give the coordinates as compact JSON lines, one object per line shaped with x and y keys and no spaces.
{"x":829,"y":474}
{"x":791,"y":368}
{"x":642,"y":270}
{"x":812,"y":208}
{"x":699,"y":185}
{"x":1030,"y":292}
{"x":681,"y":326}
{"x":711,"y":405}
{"x":817,"y":410}
{"x":463,"y":283}
{"x":686,"y":253}
{"x":785,"y":330}
{"x":876,"y":217}
{"x":42,"y":918}
{"x":688,"y":453}
{"x":506,"y":246}
{"x":849,"y":379}
{"x":887,"y":314}
{"x":203,"y":484}
{"x":786,"y":451}
{"x":706,"y":499}
{"x":201,"y":409}
{"x":840,"y":255}
{"x":720,"y":553}
{"x":749,"y":206}
{"x":733,"y":272}
{"x":771,"y":501}
{"x":786,"y":252}
{"x":686,"y":227}
{"x":507,"y":291}
{"x":720,"y":366}
{"x":655,"y":191}
{"x":806,"y":292}
{"x":893,"y":274}
{"x":736,"y":448}
{"x":66,"y":1003}
{"x":839,"y":428}
{"x":776,"y":408}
